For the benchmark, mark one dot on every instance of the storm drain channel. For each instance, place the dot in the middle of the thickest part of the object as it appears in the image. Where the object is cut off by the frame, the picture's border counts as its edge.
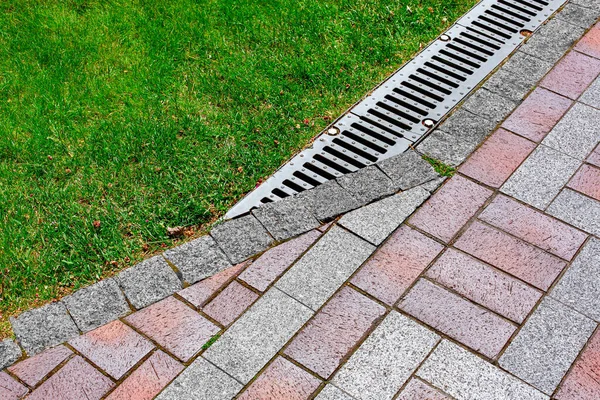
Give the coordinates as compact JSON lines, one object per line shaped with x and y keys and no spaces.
{"x":409,"y":104}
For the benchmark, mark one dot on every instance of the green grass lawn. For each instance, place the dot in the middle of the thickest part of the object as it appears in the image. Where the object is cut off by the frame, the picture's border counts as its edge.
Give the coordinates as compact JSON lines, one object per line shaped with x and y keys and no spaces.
{"x":144,"y":115}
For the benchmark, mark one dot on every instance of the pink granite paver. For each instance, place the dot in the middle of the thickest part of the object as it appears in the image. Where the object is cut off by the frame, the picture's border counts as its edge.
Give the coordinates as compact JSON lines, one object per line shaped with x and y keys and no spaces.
{"x":200,"y":292}
{"x":33,"y":370}
{"x":230,"y":303}
{"x":583,"y":381}
{"x":572,"y":75}
{"x":175,"y":326}
{"x":587,"y":181}
{"x":590,"y":43}
{"x":594,"y":158}
{"x":10,"y":389}
{"x":417,"y":390}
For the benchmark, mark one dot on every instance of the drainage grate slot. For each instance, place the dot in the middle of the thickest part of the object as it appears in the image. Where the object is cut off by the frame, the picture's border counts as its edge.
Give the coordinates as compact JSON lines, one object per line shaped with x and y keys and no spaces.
{"x":365,"y":142}
{"x":504,"y":18}
{"x":438,"y":78}
{"x":510,"y":4}
{"x":511,"y":13}
{"x":357,"y":153}
{"x":346,"y":169}
{"x":410,"y":96}
{"x":266,"y":200}
{"x":317,"y":173}
{"x":481,"y":40}
{"x":528,"y":4}
{"x":396,"y":109}
{"x":466,"y":52}
{"x":307,"y":181}
{"x":389,"y":128}
{"x":344,"y":157}
{"x":280,"y":193}
{"x":381,"y":137}
{"x":492,"y":31}
{"x":400,"y":102}
{"x":432,"y":85}
{"x":445,"y":72}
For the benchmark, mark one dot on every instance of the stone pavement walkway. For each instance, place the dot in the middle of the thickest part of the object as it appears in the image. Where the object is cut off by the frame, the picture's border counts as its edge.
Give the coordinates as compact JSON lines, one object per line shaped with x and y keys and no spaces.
{"x":489,"y":290}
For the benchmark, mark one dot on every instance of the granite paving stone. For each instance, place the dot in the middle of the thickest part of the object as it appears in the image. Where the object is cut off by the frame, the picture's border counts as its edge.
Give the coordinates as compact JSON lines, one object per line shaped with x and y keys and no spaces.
{"x":367,"y":184}
{"x":572,"y":75}
{"x":376,"y":221}
{"x":497,"y":158}
{"x":230,"y":303}
{"x":489,"y":105}
{"x":286,"y":218}
{"x":334,"y":331}
{"x":282,"y":380}
{"x":432,"y":186}
{"x":547,"y":345}
{"x":538,"y":114}
{"x":148,"y":379}
{"x":149,"y":281}
{"x":32,"y":370}
{"x":198,"y":259}
{"x":43,"y":327}
{"x":75,"y":381}
{"x":484,"y":285}
{"x":114,"y":347}
{"x":594,"y":4}
{"x":577,"y":133}
{"x":328,"y":200}
{"x":330,"y":392}
{"x":174,"y":326}
{"x":576,"y":209}
{"x":407,"y":170}
{"x":458,"y":318}
{"x":97,"y":304}
{"x":587,"y":181}
{"x":583,"y":380}
{"x":552,"y":40}
{"x":450,"y":208}
{"x":241,"y":238}
{"x":201,"y":381}
{"x":247,"y":346}
{"x":386,"y":359}
{"x":268,"y":267}
{"x":541,"y":176}
{"x":325,"y":226}
{"x":325,"y":267}
{"x":10,"y":389}
{"x":533,"y":226}
{"x":591,"y":96}
{"x":465,"y":376}
{"x":9,"y":353}
{"x":594,"y":157}
{"x":511,"y":255}
{"x":579,"y":287}
{"x":590,"y":43}
{"x":416,"y":389}
{"x":577,"y":15}
{"x":199,"y":293}
{"x":396,"y":264}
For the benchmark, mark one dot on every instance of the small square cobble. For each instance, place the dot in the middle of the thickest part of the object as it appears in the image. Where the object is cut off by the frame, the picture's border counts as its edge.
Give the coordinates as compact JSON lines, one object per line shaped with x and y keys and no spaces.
{"x":114,"y":347}
{"x":282,"y":380}
{"x":367,"y":184}
{"x":329,"y":200}
{"x":538,"y":114}
{"x":498,"y":157}
{"x":572,"y":75}
{"x":450,"y":208}
{"x":577,"y":133}
{"x":489,"y":105}
{"x":286,"y":218}
{"x":241,"y":238}
{"x":590,"y":43}
{"x":583,"y":380}
{"x":407,"y":170}
{"x":334,"y":331}
{"x":198,"y":259}
{"x":576,"y":209}
{"x":552,"y":40}
{"x":511,"y":255}
{"x":32,"y":370}
{"x":199,"y":293}
{"x":9,"y":353}
{"x":416,"y":389}
{"x":230,"y":303}
{"x":175,"y":326}
{"x":396,"y":264}
{"x":587,"y":181}
{"x":10,"y":389}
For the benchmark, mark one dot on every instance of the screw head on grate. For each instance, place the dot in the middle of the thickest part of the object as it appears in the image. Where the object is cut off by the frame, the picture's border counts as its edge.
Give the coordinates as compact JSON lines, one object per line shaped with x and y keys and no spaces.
{"x":333,"y":131}
{"x":445,"y":38}
{"x":429,"y":123}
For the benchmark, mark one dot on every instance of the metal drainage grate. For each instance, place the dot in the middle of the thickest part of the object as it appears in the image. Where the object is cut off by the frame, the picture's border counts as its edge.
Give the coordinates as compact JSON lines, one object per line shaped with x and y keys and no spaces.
{"x":410,"y":103}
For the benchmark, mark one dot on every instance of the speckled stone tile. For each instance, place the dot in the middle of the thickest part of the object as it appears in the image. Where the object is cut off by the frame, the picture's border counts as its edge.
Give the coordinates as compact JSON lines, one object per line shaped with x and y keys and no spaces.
{"x":32,"y":370}
{"x":583,"y":380}
{"x":10,"y":389}
{"x":330,"y":392}
{"x":241,"y":238}
{"x":587,"y":181}
{"x":9,"y":353}
{"x":230,"y":303}
{"x":576,"y":209}
{"x":416,"y":389}
{"x":286,"y":218}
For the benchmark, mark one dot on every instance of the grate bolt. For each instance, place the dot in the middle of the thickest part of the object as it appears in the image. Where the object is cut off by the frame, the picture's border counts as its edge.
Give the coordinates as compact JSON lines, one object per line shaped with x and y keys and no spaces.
{"x":333,"y":131}
{"x":429,"y":123}
{"x":445,"y":38}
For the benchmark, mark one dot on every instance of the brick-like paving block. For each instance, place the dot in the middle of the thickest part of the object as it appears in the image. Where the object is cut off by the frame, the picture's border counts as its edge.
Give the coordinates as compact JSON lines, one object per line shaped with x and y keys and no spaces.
{"x":533,"y":226}
{"x":241,"y":238}
{"x":465,"y":376}
{"x":511,"y":255}
{"x":272,"y":321}
{"x":282,"y":380}
{"x":325,"y":267}
{"x":497,"y":158}
{"x":386,"y":359}
{"x":9,"y":353}
{"x":591,"y":96}
{"x":330,"y":392}
{"x":577,"y":133}
{"x":396,"y":265}
{"x":262,"y":272}
{"x":10,"y":389}
{"x":417,"y":390}
{"x":576,"y":209}
{"x":114,"y":347}
{"x":547,"y":345}
{"x":587,"y":181}
{"x":590,"y":43}
{"x":230,"y":303}
{"x":572,"y":75}
{"x":458,"y":318}
{"x":200,"y":292}
{"x":538,"y":114}
{"x":175,"y":326}
{"x":148,"y":379}
{"x":75,"y":381}
{"x":201,"y":381}
{"x":583,"y":380}
{"x":450,"y":208}
{"x":334,"y":331}
{"x":484,"y":285}
{"x":32,"y":370}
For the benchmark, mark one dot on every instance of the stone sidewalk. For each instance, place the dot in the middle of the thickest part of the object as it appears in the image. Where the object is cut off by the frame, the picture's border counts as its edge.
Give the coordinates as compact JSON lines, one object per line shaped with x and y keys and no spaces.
{"x":490,"y":289}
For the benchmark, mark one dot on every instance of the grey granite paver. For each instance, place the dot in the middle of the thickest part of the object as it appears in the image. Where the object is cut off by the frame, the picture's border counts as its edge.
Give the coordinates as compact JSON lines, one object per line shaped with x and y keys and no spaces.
{"x":577,"y":15}
{"x":328,"y":200}
{"x":541,"y":176}
{"x":43,"y":327}
{"x":386,"y":359}
{"x":407,"y":170}
{"x":578,"y":210}
{"x":241,"y":238}
{"x":577,"y":133}
{"x":457,"y":137}
{"x":547,"y":345}
{"x":593,"y":4}
{"x":198,"y":259}
{"x":591,"y":96}
{"x":465,"y":376}
{"x":246,"y":347}
{"x":325,"y":267}
{"x":330,"y":392}
{"x":149,"y":281}
{"x":432,"y":186}
{"x":367,"y":184}
{"x":286,"y":218}
{"x":377,"y":221}
{"x":489,"y":105}
{"x":9,"y":353}
{"x":552,"y":40}
{"x":97,"y":304}
{"x":579,"y":287}
{"x":201,"y":381}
